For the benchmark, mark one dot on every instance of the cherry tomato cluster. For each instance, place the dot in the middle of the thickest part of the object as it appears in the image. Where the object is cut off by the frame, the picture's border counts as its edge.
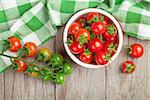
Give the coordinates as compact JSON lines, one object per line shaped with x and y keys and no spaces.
{"x":135,"y":51}
{"x":46,"y":66}
{"x":93,"y":38}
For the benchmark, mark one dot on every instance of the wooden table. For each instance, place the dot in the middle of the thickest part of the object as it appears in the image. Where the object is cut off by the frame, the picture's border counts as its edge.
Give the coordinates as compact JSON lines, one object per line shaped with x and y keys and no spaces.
{"x":84,"y":84}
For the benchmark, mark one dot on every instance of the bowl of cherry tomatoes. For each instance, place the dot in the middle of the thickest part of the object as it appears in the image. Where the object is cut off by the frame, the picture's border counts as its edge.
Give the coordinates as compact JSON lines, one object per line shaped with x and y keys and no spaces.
{"x":93,"y":38}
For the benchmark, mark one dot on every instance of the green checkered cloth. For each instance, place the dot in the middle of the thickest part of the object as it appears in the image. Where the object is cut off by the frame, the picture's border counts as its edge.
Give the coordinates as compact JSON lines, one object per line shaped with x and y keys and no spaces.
{"x":36,"y":20}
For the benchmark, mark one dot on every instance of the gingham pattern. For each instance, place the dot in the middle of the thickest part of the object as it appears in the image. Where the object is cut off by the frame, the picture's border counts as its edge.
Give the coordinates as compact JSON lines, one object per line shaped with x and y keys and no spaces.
{"x":36,"y":20}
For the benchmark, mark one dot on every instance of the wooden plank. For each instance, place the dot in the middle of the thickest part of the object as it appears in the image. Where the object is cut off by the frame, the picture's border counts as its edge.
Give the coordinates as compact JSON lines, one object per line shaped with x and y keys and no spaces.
{"x":22,"y":87}
{"x":2,"y":81}
{"x":129,"y":87}
{"x":115,"y":78}
{"x":83,"y":84}
{"x":140,"y":80}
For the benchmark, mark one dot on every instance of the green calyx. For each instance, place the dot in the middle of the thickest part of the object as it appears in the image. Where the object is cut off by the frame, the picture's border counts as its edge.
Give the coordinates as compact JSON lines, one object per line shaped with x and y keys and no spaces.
{"x":14,"y":66}
{"x":111,"y":30}
{"x":32,"y":68}
{"x":112,"y":47}
{"x":88,"y":28}
{"x":130,"y":67}
{"x":82,"y":39}
{"x":92,"y":35}
{"x":84,"y":22}
{"x":87,"y":52}
{"x":70,"y":40}
{"x":129,"y":50}
{"x":96,"y":19}
{"x":108,"y":57}
{"x":101,"y":18}
{"x":23,"y":51}
{"x":41,"y":57}
{"x":5,"y":44}
{"x":46,"y":74}
{"x":101,"y":38}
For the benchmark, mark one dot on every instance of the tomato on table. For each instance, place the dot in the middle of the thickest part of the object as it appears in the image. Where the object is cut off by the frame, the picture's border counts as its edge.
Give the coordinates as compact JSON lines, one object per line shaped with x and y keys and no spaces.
{"x":44,"y":54}
{"x":31,"y":49}
{"x":19,"y":65}
{"x":128,"y":67}
{"x":67,"y":68}
{"x":32,"y":70}
{"x":56,"y":59}
{"x":60,"y":78}
{"x":46,"y":74}
{"x":14,"y":44}
{"x":135,"y":50}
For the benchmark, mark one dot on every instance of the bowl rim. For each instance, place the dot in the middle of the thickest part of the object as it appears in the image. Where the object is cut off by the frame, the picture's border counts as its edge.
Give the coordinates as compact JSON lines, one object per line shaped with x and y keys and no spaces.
{"x":73,"y":19}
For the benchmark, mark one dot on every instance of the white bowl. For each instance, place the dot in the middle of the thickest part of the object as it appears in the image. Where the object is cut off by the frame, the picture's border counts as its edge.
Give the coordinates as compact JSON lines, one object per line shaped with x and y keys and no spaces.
{"x":73,"y":19}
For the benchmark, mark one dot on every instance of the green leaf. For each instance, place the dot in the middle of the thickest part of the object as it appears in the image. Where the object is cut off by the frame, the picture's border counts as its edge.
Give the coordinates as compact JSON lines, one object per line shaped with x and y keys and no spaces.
{"x":82,"y":39}
{"x":111,"y":30}
{"x":87,"y":52}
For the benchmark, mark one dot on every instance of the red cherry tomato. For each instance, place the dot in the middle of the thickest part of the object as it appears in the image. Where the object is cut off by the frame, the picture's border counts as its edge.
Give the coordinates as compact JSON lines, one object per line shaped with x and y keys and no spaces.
{"x":110,"y":47}
{"x":86,"y":56}
{"x":74,"y":28}
{"x":128,"y":67}
{"x":98,"y":28}
{"x":32,"y":49}
{"x":15,"y":44}
{"x":102,"y":58}
{"x":91,"y":17}
{"x":106,"y":20}
{"x":81,"y":21}
{"x":76,"y":48}
{"x":82,"y":35}
{"x":95,"y":45}
{"x":21,"y":65}
{"x":110,"y":32}
{"x":136,"y":50}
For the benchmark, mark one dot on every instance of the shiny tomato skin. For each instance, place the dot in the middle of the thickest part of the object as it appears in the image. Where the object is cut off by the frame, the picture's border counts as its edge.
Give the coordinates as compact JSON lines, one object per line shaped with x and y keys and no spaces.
{"x":86,"y":58}
{"x":32,"y":49}
{"x":82,"y":32}
{"x":98,"y":28}
{"x":100,"y":58}
{"x":106,"y":20}
{"x":128,"y":67}
{"x":81,"y":21}
{"x":15,"y":44}
{"x":21,"y":65}
{"x":107,"y":35}
{"x":91,"y":16}
{"x":95,"y":45}
{"x":137,"y":50}
{"x":74,"y":27}
{"x":76,"y":48}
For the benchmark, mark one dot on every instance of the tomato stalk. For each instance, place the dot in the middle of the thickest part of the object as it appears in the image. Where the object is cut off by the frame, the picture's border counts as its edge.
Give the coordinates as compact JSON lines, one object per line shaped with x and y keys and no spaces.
{"x":6,"y":45}
{"x":129,"y":67}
